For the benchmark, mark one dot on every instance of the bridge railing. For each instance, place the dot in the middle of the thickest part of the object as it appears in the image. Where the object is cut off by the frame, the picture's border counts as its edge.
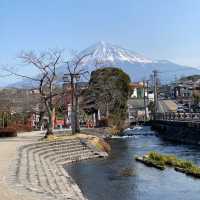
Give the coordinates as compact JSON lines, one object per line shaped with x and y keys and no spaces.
{"x":176,"y":116}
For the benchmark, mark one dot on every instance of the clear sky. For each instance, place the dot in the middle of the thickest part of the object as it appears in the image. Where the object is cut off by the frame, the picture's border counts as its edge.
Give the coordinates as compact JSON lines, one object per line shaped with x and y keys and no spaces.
{"x":158,"y":29}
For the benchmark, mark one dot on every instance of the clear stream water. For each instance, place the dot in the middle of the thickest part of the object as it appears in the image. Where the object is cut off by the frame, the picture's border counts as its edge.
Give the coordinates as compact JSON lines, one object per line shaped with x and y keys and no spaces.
{"x":101,"y":179}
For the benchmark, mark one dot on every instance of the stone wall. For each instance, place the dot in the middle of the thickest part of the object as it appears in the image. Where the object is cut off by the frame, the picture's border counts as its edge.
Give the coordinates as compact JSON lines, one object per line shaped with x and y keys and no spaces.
{"x":185,"y":132}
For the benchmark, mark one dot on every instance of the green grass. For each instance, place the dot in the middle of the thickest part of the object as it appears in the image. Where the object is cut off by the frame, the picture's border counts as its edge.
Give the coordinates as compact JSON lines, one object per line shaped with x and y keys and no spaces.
{"x":186,"y":166}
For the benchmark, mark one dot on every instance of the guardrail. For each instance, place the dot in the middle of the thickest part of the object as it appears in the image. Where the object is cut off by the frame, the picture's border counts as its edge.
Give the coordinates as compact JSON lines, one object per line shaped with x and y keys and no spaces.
{"x":176,"y":116}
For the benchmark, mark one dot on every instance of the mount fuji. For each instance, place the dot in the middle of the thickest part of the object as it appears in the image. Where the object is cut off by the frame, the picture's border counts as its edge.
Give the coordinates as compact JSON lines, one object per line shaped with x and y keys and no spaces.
{"x":137,"y":66}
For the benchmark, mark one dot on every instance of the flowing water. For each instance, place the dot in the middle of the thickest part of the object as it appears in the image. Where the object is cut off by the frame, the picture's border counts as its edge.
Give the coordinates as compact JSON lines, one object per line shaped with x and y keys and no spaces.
{"x":102,"y":179}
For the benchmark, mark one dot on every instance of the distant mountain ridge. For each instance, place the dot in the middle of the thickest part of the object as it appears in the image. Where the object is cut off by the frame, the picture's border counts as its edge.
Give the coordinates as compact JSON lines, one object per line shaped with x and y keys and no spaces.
{"x":137,"y":66}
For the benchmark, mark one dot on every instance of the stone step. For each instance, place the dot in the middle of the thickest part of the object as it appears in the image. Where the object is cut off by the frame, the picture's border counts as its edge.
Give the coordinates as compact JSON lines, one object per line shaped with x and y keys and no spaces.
{"x":70,"y":156}
{"x":44,"y":176}
{"x":47,"y":146}
{"x":58,"y":150}
{"x":51,"y":171}
{"x":28,"y":168}
{"x":47,"y":143}
{"x":23,"y":172}
{"x":77,"y":157}
{"x":40,"y":168}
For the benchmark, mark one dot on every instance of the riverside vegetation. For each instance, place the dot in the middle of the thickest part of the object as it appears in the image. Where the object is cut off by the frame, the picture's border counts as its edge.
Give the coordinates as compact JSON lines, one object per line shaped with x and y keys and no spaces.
{"x":108,"y":93}
{"x":160,"y":161}
{"x":97,"y":142}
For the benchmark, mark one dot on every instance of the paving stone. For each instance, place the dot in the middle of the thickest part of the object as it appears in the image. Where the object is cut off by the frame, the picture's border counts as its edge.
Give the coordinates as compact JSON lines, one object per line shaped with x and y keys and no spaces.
{"x":39,"y":170}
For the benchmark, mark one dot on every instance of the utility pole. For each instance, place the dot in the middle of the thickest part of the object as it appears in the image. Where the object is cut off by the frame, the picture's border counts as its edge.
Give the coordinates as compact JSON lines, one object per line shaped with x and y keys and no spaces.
{"x":155,"y":80}
{"x":147,"y":92}
{"x":145,"y":103}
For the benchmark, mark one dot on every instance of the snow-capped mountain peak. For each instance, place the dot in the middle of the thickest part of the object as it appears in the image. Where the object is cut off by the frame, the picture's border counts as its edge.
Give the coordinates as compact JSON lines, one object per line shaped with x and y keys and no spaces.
{"x":138,"y":67}
{"x":107,"y":52}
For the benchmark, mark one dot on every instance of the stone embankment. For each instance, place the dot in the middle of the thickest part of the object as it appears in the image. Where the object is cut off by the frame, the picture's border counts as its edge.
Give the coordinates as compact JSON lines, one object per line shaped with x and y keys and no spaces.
{"x":178,"y":131}
{"x":38,"y":171}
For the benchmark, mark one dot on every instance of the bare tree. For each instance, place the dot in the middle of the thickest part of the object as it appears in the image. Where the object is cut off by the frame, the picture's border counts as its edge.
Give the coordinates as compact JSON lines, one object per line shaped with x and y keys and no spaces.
{"x":46,"y":63}
{"x":76,"y":70}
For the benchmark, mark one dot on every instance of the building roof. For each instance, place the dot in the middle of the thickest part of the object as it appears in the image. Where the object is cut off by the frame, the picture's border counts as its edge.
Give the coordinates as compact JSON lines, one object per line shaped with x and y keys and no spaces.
{"x":136,"y":85}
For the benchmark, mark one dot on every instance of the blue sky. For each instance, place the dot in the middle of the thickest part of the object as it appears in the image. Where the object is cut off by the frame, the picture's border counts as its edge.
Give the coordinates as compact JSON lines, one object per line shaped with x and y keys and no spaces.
{"x":158,"y":29}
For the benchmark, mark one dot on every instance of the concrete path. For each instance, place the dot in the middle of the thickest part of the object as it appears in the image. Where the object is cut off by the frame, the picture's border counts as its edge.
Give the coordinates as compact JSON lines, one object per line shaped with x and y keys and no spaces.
{"x":33,"y":170}
{"x":8,"y":152}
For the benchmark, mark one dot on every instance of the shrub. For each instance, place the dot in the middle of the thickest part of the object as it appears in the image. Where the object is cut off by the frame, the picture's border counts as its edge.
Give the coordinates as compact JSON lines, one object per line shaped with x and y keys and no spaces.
{"x":101,"y":144}
{"x":114,"y":130}
{"x":8,"y":132}
{"x":106,"y":147}
{"x":21,"y":127}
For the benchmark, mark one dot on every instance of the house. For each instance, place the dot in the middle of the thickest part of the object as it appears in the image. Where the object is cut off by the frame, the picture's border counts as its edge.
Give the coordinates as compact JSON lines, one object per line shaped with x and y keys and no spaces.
{"x":184,"y":90}
{"x":138,"y":90}
{"x":138,"y":102}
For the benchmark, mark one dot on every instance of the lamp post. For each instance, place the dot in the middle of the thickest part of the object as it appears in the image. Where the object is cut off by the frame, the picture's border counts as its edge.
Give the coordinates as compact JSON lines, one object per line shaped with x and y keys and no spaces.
{"x":73,"y":78}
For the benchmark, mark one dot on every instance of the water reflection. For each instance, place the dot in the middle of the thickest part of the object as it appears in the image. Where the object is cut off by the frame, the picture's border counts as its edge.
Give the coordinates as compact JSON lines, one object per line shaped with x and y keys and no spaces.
{"x":101,"y":179}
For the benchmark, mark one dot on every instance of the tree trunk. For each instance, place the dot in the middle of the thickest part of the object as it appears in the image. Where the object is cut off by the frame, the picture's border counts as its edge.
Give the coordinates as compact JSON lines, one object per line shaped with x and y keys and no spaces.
{"x":77,"y":125}
{"x":73,"y":121}
{"x":50,"y":124}
{"x":49,"y":129}
{"x":107,"y":110}
{"x":96,"y":118}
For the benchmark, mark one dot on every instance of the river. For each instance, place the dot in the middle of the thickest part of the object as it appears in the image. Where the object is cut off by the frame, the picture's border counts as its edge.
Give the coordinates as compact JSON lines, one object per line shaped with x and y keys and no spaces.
{"x":101,"y":179}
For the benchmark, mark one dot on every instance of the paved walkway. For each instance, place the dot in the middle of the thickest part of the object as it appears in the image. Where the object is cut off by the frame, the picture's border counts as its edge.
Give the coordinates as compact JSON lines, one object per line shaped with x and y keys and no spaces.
{"x":8,"y":152}
{"x":32,"y":170}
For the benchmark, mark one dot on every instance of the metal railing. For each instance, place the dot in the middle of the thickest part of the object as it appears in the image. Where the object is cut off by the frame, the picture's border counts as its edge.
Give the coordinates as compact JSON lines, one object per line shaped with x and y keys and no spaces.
{"x":176,"y":116}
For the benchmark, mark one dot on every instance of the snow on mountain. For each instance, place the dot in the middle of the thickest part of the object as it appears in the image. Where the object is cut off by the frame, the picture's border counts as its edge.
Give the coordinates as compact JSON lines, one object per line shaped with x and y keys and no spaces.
{"x":103,"y":51}
{"x":138,"y":67}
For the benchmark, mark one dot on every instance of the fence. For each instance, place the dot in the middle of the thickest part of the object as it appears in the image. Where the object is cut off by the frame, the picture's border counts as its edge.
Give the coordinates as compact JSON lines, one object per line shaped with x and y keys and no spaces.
{"x":176,"y":116}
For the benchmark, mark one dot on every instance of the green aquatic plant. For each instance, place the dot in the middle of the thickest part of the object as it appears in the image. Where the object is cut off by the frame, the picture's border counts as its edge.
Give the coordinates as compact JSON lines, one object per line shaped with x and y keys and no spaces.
{"x":170,"y":160}
{"x":156,"y":159}
{"x":185,"y":164}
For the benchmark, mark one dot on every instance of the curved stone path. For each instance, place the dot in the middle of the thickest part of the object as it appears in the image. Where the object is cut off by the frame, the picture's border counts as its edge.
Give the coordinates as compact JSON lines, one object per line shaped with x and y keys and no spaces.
{"x":38,"y":171}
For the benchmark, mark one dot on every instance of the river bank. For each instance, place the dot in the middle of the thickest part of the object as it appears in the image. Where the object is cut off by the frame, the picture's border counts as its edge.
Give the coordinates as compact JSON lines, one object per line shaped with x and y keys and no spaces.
{"x":31,"y":169}
{"x":103,"y":179}
{"x":178,"y":131}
